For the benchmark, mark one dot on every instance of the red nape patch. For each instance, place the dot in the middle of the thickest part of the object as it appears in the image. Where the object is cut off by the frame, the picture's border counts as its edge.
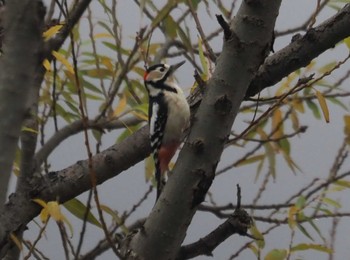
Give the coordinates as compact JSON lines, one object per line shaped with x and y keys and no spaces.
{"x":145,"y":75}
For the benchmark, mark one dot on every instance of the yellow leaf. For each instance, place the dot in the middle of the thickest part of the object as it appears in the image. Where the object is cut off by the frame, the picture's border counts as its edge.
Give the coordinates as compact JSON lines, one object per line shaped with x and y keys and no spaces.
{"x":140,"y":115}
{"x":44,"y":215}
{"x":347,"y":42}
{"x":149,"y":168}
{"x":347,"y":127}
{"x":107,"y":62}
{"x":121,"y":106}
{"x":298,"y":105}
{"x":276,"y":254}
{"x":295,"y":120}
{"x":259,"y":238}
{"x":51,"y":31}
{"x":54,"y":211}
{"x":250,"y":160}
{"x":293,"y":210}
{"x":323,"y":104}
{"x":47,"y":65}
{"x":63,"y":60}
{"x":17,"y":241}
{"x":40,"y":202}
{"x":102,"y":35}
{"x":277,"y":124}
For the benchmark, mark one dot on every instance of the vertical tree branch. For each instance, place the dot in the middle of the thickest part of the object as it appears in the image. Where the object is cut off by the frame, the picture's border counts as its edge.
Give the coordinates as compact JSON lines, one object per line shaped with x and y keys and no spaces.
{"x":17,"y":67}
{"x":243,"y":52}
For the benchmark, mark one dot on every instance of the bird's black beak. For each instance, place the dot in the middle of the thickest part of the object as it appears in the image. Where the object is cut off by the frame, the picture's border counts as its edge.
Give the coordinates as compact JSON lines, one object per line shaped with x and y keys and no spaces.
{"x":176,"y":66}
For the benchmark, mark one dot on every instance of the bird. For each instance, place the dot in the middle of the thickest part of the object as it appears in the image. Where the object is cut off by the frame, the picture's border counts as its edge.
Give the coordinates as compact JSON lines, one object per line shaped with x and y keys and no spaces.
{"x":168,"y":116}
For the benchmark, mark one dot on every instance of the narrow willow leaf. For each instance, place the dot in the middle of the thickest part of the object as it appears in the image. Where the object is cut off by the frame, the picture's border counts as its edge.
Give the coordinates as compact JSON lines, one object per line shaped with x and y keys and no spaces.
{"x":121,"y":106}
{"x":277,"y":124}
{"x":317,"y":247}
{"x":52,"y":31}
{"x":291,"y":216}
{"x":254,"y":249}
{"x":63,"y":60}
{"x":78,"y":209}
{"x":102,"y":35}
{"x":301,"y":201}
{"x":313,"y":107}
{"x":347,"y":125}
{"x":170,"y":27}
{"x":323,"y":104}
{"x":276,"y":254}
{"x":116,"y":218}
{"x":17,"y":241}
{"x":202,"y":59}
{"x":304,"y":231}
{"x":332,"y":202}
{"x":47,"y":65}
{"x":253,"y":159}
{"x":315,"y":227}
{"x":163,"y":13}
{"x":149,"y":168}
{"x":342,"y":183}
{"x":259,"y":238}
{"x":347,"y":42}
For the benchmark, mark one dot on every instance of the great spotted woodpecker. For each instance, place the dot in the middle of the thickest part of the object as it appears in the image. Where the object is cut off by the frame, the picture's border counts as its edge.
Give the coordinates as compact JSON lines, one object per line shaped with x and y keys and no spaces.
{"x":169,"y":115}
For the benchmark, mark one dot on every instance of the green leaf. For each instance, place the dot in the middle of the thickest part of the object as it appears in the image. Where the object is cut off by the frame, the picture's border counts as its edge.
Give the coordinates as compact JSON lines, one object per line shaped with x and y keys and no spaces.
{"x":332,"y":202}
{"x":260,"y":241}
{"x":254,"y":249}
{"x":184,"y":38}
{"x":170,"y":27}
{"x":336,"y":101}
{"x":317,"y":247}
{"x":347,"y":42}
{"x":203,"y":59}
{"x":163,"y":13}
{"x":250,"y":160}
{"x":342,"y":183}
{"x":276,"y":254}
{"x":106,"y":27}
{"x":303,"y":230}
{"x":127,"y":132}
{"x":116,"y":218}
{"x":78,"y":209}
{"x":313,"y":107}
{"x":315,"y":227}
{"x":300,"y":202}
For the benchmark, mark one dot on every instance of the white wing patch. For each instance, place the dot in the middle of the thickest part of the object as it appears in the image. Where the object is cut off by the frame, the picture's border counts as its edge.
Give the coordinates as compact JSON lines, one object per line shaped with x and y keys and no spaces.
{"x":155,"y":108}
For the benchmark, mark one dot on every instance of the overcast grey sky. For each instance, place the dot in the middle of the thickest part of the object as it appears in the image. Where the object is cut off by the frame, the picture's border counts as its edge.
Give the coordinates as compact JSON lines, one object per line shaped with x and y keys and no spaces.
{"x":314,"y":152}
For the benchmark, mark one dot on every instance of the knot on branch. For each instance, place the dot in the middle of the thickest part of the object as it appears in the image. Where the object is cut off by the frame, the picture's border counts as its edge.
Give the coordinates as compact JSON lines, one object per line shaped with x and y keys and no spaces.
{"x":225,"y":26}
{"x":198,"y":145}
{"x":223,"y":105}
{"x":240,"y":221}
{"x":202,"y":188}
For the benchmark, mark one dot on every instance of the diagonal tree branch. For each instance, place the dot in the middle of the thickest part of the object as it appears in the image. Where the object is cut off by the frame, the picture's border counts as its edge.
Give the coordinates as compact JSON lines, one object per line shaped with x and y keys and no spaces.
{"x":70,"y":182}
{"x":302,"y":51}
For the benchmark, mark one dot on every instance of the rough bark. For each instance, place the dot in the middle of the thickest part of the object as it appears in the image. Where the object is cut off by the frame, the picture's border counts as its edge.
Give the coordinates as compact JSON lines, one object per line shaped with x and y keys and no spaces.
{"x":302,"y":50}
{"x":17,"y":66}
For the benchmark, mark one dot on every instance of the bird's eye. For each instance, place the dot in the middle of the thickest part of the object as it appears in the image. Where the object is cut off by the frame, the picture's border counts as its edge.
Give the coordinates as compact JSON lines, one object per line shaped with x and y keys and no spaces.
{"x":162,"y":69}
